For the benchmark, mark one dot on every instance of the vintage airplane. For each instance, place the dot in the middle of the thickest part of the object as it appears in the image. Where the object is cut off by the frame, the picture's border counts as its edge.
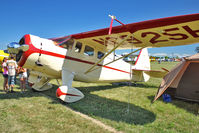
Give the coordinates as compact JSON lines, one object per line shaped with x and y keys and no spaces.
{"x":90,"y":57}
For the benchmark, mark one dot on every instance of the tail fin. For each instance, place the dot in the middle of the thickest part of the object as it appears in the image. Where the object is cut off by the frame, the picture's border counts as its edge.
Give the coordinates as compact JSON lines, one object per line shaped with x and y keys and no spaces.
{"x":142,"y":64}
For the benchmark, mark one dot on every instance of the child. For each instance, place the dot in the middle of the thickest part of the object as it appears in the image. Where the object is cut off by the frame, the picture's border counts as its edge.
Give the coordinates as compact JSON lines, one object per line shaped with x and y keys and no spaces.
{"x":23,"y":77}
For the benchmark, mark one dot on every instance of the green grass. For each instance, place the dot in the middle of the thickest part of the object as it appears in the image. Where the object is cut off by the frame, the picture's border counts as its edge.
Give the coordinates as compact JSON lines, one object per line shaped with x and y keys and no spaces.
{"x":125,"y":108}
{"x":33,"y":112}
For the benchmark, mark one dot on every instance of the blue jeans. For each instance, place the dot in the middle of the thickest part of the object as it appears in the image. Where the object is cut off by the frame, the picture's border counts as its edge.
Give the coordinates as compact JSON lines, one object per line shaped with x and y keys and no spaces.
{"x":11,"y":80}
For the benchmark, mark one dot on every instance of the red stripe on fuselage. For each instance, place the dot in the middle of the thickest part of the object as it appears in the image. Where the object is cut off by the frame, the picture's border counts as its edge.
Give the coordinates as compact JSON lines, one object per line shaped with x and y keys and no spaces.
{"x":88,"y":62}
{"x":33,"y":49}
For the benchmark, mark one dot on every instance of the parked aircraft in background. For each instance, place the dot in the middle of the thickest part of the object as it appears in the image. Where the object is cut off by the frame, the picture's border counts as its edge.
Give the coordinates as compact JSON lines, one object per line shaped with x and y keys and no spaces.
{"x":90,"y":57}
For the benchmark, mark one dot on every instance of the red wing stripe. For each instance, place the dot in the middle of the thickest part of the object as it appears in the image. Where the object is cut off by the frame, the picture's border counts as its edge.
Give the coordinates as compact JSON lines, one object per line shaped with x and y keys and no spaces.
{"x":133,"y":27}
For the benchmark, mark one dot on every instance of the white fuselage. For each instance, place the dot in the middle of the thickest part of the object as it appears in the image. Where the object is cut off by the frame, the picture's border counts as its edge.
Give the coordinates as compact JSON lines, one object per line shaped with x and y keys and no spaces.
{"x":54,"y":58}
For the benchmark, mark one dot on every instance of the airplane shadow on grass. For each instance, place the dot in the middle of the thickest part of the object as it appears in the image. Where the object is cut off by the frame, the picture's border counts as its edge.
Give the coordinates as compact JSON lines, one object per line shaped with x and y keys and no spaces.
{"x":18,"y":94}
{"x":94,"y":105}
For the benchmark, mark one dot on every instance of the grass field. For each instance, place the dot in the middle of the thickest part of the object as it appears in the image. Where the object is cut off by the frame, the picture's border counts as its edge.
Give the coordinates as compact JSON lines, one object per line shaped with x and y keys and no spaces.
{"x":125,"y":108}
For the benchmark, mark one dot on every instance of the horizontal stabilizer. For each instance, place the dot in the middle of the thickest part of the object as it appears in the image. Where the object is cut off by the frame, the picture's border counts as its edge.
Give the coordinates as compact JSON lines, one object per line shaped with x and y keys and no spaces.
{"x":153,"y":73}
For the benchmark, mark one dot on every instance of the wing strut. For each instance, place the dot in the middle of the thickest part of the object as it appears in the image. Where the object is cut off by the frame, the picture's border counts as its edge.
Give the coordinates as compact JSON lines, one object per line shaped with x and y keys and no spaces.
{"x":113,"y":18}
{"x":115,"y":47}
{"x":110,"y":28}
{"x":107,"y":54}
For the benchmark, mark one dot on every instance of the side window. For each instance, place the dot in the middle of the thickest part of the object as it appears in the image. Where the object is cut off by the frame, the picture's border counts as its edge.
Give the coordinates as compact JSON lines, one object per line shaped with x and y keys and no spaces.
{"x":78,"y":47}
{"x":88,"y":51}
{"x":68,"y":44}
{"x":100,"y":55}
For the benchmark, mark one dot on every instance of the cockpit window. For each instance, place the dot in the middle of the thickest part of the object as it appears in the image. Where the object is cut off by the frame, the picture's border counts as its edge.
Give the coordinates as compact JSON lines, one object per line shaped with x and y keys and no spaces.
{"x":68,"y":44}
{"x":89,"y":51}
{"x":100,"y":55}
{"x":78,"y":47}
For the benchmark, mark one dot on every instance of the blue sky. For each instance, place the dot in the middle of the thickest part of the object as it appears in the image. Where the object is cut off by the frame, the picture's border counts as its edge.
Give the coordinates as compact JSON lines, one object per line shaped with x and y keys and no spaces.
{"x":54,"y":18}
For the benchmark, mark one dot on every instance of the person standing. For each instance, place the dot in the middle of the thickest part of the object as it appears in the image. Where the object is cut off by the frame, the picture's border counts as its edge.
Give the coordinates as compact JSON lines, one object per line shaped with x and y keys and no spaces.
{"x":12,"y":66}
{"x":23,"y":77}
{"x":5,"y":74}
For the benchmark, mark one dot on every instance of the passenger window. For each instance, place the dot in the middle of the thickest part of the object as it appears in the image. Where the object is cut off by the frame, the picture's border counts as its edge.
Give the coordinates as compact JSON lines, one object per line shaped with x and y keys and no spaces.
{"x":89,"y":51}
{"x":68,"y":44}
{"x":78,"y":47}
{"x":100,"y":55}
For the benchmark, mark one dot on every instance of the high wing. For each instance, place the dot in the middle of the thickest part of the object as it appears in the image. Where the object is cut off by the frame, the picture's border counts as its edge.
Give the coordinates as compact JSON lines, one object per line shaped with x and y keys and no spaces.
{"x":171,"y":31}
